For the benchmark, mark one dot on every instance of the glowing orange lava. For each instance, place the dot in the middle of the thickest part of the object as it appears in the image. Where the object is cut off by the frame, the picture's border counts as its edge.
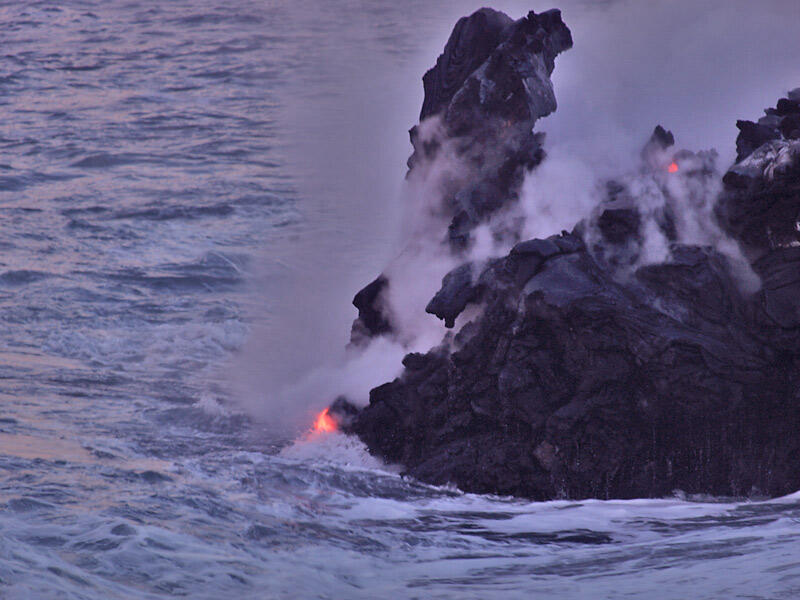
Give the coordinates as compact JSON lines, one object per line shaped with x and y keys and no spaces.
{"x":324,"y":422}
{"x":673,"y":167}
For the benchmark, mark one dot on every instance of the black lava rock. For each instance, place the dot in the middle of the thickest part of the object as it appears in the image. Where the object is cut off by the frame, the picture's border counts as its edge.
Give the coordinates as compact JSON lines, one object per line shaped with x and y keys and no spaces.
{"x":372,"y":320}
{"x":572,"y":380}
{"x":458,"y":290}
{"x":574,"y":384}
{"x":752,"y":136}
{"x":487,"y":90}
{"x":760,"y":205}
{"x":472,"y":41}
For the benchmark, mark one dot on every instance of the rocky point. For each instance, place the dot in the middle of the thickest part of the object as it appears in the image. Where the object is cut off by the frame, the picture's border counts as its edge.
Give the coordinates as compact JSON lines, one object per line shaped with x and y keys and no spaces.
{"x":589,"y":368}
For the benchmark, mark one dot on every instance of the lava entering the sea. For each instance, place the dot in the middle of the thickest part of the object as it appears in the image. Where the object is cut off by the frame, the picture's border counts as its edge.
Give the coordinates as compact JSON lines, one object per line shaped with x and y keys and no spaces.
{"x":324,"y":423}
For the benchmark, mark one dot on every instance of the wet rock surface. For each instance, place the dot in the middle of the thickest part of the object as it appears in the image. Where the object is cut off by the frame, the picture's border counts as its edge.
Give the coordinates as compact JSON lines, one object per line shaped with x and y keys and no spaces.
{"x":585,"y":377}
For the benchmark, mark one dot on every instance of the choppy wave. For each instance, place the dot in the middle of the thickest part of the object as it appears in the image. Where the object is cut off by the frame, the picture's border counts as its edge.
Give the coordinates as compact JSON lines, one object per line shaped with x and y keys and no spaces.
{"x":317,"y":521}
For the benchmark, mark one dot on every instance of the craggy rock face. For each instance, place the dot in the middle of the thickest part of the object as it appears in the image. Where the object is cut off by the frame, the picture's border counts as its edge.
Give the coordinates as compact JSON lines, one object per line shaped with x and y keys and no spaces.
{"x":584,"y":376}
{"x":761,"y":204}
{"x":572,"y":384}
{"x":762,"y":198}
{"x":488,"y":88}
{"x":473,"y":39}
{"x":482,"y":99}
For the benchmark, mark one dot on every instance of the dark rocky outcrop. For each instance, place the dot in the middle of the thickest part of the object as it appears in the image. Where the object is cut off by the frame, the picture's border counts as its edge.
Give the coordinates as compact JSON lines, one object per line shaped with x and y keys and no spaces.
{"x":372,"y":318}
{"x":573,"y":384}
{"x":659,"y":141}
{"x":458,"y":290}
{"x":760,"y":206}
{"x":482,"y":99}
{"x":488,"y":97}
{"x":583,"y":376}
{"x":472,"y":41}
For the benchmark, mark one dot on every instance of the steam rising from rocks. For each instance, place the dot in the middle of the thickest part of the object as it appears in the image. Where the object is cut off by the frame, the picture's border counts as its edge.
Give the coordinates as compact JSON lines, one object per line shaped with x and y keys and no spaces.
{"x":565,"y":189}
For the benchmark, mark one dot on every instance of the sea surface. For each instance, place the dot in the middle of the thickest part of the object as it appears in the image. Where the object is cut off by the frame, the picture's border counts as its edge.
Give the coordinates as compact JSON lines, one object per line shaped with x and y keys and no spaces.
{"x":173,"y":176}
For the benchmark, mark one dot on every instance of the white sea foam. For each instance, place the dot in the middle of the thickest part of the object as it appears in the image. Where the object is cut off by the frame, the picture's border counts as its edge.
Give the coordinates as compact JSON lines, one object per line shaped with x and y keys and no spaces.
{"x":333,"y":447}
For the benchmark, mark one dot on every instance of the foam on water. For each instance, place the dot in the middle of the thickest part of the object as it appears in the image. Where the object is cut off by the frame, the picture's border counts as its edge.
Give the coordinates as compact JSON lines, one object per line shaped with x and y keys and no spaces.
{"x":333,"y":447}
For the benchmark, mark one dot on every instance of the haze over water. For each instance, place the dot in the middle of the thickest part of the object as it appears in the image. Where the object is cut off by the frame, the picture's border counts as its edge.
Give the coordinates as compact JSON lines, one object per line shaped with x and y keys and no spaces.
{"x":190,"y":194}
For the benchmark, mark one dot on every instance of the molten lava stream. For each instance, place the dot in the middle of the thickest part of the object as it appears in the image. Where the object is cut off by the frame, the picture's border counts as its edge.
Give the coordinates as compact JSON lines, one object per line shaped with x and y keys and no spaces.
{"x":324,"y":423}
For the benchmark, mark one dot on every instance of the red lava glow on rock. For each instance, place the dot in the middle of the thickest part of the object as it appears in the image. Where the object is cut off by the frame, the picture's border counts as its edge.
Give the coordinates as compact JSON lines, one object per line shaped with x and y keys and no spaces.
{"x":324,"y":423}
{"x":673,"y":167}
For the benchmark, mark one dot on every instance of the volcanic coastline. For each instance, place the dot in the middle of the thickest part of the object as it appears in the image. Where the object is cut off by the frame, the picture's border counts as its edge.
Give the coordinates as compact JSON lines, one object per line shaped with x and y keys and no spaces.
{"x":629,"y":357}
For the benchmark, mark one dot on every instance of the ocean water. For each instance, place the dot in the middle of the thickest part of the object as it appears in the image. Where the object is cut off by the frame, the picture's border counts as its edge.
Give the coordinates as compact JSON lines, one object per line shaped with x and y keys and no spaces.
{"x":174,"y":177}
